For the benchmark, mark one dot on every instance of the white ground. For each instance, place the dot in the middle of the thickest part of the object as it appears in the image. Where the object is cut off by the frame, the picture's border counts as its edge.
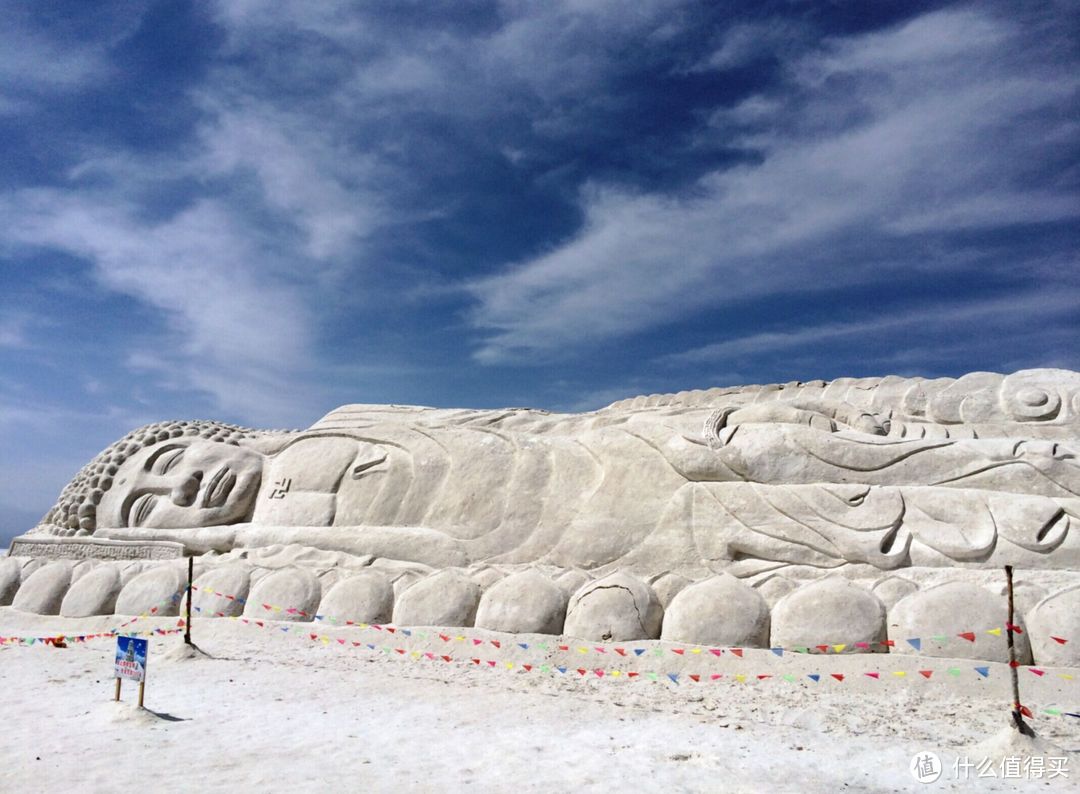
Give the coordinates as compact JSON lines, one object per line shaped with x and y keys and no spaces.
{"x":269,"y":711}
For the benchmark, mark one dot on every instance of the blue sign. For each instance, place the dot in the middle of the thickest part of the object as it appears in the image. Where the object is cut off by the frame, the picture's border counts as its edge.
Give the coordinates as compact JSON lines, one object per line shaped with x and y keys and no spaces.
{"x":131,"y":658}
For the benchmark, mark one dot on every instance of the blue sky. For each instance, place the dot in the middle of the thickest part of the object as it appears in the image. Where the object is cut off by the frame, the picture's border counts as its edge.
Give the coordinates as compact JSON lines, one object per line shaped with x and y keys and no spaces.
{"x":256,"y":211}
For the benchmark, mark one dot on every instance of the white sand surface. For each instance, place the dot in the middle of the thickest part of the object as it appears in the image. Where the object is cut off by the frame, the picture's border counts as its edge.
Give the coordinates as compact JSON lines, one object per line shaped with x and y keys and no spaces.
{"x":267,"y":710}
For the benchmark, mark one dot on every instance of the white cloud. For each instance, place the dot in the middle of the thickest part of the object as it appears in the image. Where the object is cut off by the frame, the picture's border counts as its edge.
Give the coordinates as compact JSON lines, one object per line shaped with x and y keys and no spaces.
{"x":223,"y":311}
{"x":945,"y":319}
{"x":912,"y":130}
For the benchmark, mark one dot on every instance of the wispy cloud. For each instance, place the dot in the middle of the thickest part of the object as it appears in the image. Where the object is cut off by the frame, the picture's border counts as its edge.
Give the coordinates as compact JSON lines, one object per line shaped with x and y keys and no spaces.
{"x":1017,"y":312}
{"x":872,"y":139}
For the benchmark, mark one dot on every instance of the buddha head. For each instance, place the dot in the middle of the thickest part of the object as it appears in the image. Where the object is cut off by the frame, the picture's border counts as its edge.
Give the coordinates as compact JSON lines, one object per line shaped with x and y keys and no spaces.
{"x":165,"y":475}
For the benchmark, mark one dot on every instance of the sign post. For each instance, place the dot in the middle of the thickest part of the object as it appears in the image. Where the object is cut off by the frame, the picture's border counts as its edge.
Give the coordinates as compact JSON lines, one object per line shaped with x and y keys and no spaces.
{"x":187,"y":624}
{"x":130,"y":663}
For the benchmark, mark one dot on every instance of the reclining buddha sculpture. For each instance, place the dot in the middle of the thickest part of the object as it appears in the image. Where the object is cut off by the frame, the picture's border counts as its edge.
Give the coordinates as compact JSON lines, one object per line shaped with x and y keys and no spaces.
{"x":890,"y":472}
{"x":845,"y":511}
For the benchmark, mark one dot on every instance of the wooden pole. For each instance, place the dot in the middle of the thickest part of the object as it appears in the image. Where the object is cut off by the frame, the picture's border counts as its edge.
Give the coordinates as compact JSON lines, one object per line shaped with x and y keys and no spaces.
{"x":117,"y":696}
{"x":187,"y":623}
{"x":142,"y":689}
{"x":1017,"y":715}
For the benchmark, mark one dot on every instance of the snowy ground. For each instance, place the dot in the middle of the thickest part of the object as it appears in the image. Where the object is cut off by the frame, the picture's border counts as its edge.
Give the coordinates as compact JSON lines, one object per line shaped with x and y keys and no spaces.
{"x":274,"y":711}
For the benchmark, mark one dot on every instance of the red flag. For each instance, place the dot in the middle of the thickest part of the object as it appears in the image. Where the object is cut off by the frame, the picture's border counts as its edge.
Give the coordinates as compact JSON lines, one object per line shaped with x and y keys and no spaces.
{"x":716,"y":676}
{"x":444,"y":638}
{"x":476,"y":661}
{"x":1058,"y":640}
{"x":400,"y":650}
{"x":599,"y":672}
{"x":926,"y":673}
{"x":527,"y":667}
{"x":445,"y":658}
{"x":967,"y":635}
{"x":715,"y":651}
{"x":632,"y":675}
{"x":491,"y":664}
{"x":620,"y":651}
{"x":1037,"y":671}
{"x":838,"y":676}
{"x":391,"y":629}
{"x":763,"y":676}
{"x":1026,"y":712}
{"x":564,"y":647}
{"x":496,"y":643}
{"x":822,"y":648}
{"x":695,"y":677}
{"x":737,"y":652}
{"x":875,"y":675}
{"x":679,"y":651}
{"x":1014,"y":629}
{"x":582,"y":670}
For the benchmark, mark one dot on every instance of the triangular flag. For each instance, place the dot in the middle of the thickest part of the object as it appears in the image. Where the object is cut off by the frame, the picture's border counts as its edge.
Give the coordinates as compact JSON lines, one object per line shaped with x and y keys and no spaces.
{"x":496,"y":643}
{"x":598,"y":649}
{"x":822,"y":648}
{"x":740,"y":678}
{"x":545,"y":669}
{"x":1058,"y":640}
{"x":695,"y":678}
{"x":1037,"y":671}
{"x":763,"y":676}
{"x":1026,"y":712}
{"x":621,"y":651}
{"x":1054,"y":712}
{"x":737,"y":652}
{"x":926,"y":673}
{"x":633,"y":675}
{"x":967,"y":635}
{"x":679,"y":651}
{"x":582,"y":670}
{"x":639,"y":651}
{"x":940,"y":638}
{"x":523,"y":645}
{"x":801,"y":649}
{"x":899,"y":673}
{"x":564,"y":647}
{"x":788,"y":677}
{"x":837,"y":676}
{"x":983,"y":671}
{"x":915,"y":643}
{"x":815,"y":676}
{"x":715,"y":651}
{"x":444,"y":637}
{"x":561,"y":669}
{"x":888,"y":643}
{"x":778,"y":651}
{"x":839,"y":648}
{"x":1014,"y":629}
{"x":716,"y":676}
{"x":995,"y":632}
{"x":875,"y":675}
{"x":599,"y":672}
{"x":616,"y":673}
{"x":653,"y":676}
{"x":445,"y":658}
{"x":674,"y":677}
{"x":863,"y":645}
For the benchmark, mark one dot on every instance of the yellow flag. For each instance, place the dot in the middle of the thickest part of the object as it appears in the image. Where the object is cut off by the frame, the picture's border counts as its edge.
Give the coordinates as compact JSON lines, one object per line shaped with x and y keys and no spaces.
{"x":840,"y":647}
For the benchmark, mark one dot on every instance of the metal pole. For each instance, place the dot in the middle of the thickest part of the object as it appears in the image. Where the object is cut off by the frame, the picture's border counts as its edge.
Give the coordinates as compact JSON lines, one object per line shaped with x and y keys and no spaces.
{"x":187,"y":623}
{"x":1018,"y":717}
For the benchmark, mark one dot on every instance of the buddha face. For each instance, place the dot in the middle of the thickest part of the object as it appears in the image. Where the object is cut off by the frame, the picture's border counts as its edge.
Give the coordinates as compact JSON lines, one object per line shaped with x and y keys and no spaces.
{"x":183,"y":483}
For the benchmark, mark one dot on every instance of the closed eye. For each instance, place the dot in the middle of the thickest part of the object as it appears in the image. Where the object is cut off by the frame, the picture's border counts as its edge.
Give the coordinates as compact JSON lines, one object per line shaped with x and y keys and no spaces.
{"x":165,"y":458}
{"x":141,"y":509}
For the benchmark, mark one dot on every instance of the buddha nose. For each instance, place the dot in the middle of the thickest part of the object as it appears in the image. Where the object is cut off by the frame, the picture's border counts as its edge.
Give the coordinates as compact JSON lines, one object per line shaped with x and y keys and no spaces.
{"x":183,"y":495}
